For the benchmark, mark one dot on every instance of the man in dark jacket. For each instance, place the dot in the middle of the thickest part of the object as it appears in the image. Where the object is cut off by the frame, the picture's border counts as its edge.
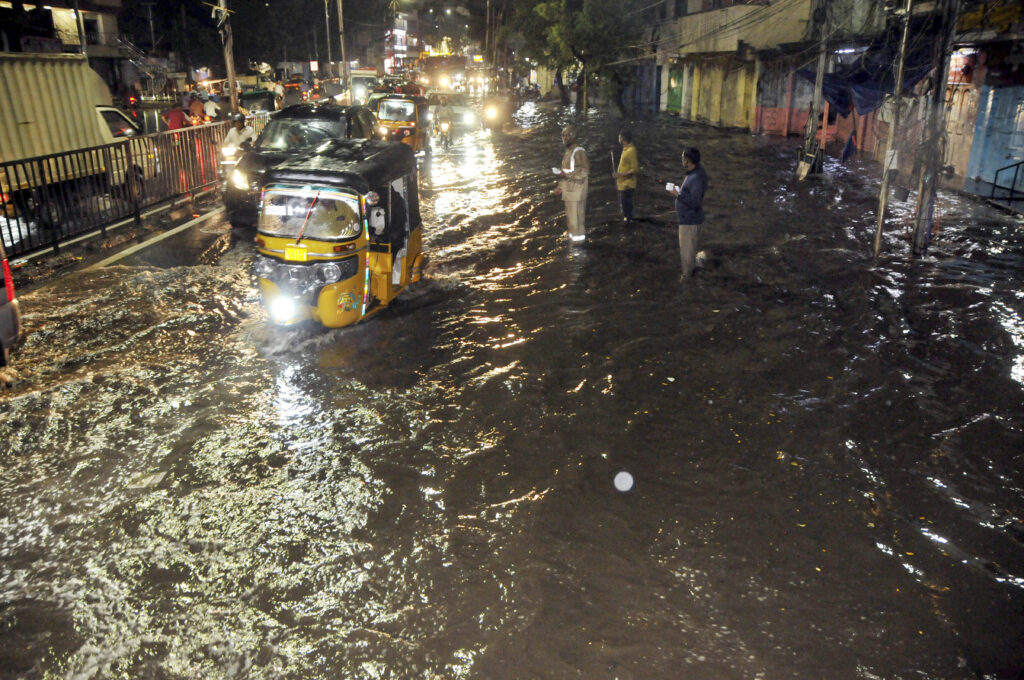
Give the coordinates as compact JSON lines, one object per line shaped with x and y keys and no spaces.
{"x":689,"y":213}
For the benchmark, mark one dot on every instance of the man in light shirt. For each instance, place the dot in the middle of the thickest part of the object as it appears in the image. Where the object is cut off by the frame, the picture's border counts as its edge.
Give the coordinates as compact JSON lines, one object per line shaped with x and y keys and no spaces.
{"x":573,"y":184}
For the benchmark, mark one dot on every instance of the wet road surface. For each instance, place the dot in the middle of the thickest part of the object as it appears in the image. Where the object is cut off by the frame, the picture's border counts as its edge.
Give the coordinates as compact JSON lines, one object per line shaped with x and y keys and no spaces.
{"x":826,"y":450}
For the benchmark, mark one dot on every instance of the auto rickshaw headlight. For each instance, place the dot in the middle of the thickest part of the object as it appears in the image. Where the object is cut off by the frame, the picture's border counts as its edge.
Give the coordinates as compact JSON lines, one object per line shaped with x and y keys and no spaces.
{"x":239,"y":180}
{"x":383,"y":130}
{"x":228,"y":151}
{"x":264,"y":268}
{"x":491,"y":112}
{"x":328,"y":272}
{"x":282,"y":308}
{"x":469,"y":118}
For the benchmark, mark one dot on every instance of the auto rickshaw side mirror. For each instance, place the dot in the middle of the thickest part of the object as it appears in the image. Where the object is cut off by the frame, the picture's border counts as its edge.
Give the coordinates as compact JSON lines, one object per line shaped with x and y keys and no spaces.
{"x":377,"y":220}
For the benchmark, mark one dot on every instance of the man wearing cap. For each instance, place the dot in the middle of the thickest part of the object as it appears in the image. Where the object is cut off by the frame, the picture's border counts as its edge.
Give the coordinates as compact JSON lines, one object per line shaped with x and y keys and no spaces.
{"x":573,"y":184}
{"x":689,"y":213}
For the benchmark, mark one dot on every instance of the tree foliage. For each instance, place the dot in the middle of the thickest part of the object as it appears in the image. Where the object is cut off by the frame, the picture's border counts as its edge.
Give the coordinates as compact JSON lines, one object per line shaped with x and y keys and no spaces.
{"x":596,"y":34}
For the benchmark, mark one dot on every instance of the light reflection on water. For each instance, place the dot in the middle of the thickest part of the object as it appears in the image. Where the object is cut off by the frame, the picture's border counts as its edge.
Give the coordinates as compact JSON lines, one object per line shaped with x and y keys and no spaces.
{"x":823,"y":447}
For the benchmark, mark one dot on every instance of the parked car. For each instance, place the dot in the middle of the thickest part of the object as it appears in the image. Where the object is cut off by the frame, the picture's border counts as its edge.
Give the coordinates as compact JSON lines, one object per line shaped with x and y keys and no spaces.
{"x":10,"y":314}
{"x":295,"y":131}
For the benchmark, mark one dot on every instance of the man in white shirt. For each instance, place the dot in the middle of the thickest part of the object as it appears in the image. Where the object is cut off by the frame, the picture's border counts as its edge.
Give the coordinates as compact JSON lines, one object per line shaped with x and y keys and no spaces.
{"x":239,"y":132}
{"x":211,"y":108}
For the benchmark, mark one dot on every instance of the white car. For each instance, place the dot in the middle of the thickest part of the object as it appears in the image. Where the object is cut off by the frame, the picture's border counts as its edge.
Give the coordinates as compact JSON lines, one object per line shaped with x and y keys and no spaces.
{"x":467,"y":118}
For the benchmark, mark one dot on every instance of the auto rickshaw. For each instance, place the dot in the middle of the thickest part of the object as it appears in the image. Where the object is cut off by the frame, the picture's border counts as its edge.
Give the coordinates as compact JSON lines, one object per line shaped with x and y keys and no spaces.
{"x":339,"y":235}
{"x":404,"y":118}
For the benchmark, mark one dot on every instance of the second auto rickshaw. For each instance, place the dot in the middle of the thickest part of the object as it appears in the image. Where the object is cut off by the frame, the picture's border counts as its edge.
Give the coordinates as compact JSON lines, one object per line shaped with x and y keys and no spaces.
{"x":339,"y":233}
{"x":404,"y":118}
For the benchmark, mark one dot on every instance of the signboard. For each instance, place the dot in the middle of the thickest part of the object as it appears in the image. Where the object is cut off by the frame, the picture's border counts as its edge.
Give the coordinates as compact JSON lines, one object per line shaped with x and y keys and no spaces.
{"x":313,"y":66}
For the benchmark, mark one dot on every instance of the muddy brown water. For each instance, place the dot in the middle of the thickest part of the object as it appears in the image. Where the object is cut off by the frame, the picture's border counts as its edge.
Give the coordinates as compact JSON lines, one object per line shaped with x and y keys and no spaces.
{"x":826,"y":450}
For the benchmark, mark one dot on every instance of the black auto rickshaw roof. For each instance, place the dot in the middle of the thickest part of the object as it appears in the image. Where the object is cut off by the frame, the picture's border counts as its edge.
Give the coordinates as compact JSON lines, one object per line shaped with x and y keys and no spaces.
{"x":362,"y":164}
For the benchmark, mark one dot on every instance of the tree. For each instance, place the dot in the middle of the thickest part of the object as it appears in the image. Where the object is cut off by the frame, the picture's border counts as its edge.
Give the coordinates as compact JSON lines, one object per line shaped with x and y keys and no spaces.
{"x":586,"y":36}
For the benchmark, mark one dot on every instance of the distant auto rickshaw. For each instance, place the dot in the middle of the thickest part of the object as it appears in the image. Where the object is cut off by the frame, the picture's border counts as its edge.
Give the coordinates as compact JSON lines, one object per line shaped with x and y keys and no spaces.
{"x":404,"y":118}
{"x":339,"y":233}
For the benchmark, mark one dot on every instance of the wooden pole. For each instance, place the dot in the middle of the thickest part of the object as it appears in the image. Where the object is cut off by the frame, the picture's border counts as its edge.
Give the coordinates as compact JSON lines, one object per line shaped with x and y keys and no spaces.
{"x":925,"y":216}
{"x":883,"y":194}
{"x":345,"y":80}
{"x":229,"y":56}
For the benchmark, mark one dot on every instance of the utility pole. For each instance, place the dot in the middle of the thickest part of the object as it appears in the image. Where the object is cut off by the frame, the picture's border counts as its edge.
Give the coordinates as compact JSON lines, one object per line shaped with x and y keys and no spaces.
{"x":811,"y":155}
{"x":934,"y":146}
{"x":327,"y":35}
{"x":224,"y":26}
{"x":152,"y":32}
{"x":883,"y":195}
{"x":487,"y":32}
{"x":81,"y":26}
{"x":345,"y":80}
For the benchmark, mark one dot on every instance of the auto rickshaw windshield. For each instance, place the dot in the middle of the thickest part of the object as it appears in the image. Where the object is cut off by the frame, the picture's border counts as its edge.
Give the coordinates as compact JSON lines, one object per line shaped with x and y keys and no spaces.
{"x":401,"y":111}
{"x":309,"y":212}
{"x":298,"y":135}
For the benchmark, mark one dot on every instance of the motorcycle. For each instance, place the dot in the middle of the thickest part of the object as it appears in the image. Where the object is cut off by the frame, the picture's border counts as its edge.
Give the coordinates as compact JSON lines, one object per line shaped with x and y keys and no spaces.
{"x":444,"y":135}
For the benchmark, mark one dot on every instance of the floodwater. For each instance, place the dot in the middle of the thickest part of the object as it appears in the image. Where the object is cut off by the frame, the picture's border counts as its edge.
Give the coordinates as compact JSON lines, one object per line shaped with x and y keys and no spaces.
{"x":827,"y":451}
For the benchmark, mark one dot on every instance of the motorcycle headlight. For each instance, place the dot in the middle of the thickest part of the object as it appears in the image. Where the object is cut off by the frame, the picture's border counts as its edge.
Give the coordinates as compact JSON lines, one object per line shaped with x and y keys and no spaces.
{"x":491,"y":112}
{"x":264,"y":268}
{"x":383,"y":131}
{"x":328,"y":272}
{"x":228,"y":151}
{"x":239,"y":180}
{"x":444,"y":126}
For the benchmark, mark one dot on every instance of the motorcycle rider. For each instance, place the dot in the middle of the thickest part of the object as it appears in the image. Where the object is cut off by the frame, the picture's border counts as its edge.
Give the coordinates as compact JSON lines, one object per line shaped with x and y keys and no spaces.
{"x":239,"y":132}
{"x":444,"y":114}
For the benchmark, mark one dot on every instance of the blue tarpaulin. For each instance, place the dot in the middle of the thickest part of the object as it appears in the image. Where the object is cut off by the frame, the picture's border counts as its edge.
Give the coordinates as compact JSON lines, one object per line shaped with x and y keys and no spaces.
{"x":864,"y":84}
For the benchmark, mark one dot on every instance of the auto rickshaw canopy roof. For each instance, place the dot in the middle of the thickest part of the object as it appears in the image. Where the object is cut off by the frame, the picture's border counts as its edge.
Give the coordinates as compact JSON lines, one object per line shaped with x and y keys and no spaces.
{"x":362,"y":164}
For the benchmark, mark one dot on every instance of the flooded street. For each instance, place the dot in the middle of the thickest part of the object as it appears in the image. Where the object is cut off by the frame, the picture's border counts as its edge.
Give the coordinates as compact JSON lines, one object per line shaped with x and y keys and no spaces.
{"x":827,"y":450}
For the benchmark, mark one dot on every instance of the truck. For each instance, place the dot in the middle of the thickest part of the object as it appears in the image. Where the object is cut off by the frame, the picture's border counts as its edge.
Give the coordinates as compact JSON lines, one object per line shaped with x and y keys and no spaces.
{"x":55,"y":104}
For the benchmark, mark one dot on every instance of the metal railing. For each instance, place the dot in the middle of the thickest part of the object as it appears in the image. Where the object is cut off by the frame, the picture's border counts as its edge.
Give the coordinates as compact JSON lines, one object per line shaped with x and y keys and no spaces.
{"x":49,"y":199}
{"x":1014,"y":192}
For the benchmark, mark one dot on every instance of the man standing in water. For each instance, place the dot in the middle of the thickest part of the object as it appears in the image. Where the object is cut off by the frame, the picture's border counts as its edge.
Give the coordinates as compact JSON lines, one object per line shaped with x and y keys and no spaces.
{"x":625,"y":177}
{"x":689,"y":213}
{"x":573,"y":183}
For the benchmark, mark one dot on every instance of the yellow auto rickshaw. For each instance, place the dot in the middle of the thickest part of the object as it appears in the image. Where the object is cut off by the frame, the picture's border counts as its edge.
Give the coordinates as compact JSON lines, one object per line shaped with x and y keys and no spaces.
{"x":404,"y":118}
{"x":339,"y":234}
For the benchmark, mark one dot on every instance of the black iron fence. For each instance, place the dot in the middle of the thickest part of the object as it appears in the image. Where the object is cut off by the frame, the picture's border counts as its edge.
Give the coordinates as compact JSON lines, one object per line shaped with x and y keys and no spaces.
{"x":47,"y":200}
{"x":1014,"y":191}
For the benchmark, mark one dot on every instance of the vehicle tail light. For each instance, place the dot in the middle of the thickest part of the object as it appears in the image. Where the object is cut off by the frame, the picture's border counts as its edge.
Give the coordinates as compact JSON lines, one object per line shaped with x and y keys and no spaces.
{"x":8,"y":280}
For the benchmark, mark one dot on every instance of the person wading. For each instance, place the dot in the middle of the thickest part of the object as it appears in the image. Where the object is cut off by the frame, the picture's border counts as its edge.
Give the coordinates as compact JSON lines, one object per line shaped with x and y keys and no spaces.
{"x":689,"y":213}
{"x":573,"y":184}
{"x":625,"y":176}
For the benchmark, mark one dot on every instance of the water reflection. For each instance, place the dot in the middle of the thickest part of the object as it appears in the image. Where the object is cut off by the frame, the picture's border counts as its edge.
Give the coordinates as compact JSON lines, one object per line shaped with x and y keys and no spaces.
{"x":822,"y":445}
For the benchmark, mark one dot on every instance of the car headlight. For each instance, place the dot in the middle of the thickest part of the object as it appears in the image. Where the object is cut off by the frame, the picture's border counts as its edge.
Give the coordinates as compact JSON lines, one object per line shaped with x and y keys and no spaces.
{"x":239,"y":180}
{"x":491,"y":112}
{"x":228,"y":151}
{"x":469,"y":118}
{"x":282,"y":308}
